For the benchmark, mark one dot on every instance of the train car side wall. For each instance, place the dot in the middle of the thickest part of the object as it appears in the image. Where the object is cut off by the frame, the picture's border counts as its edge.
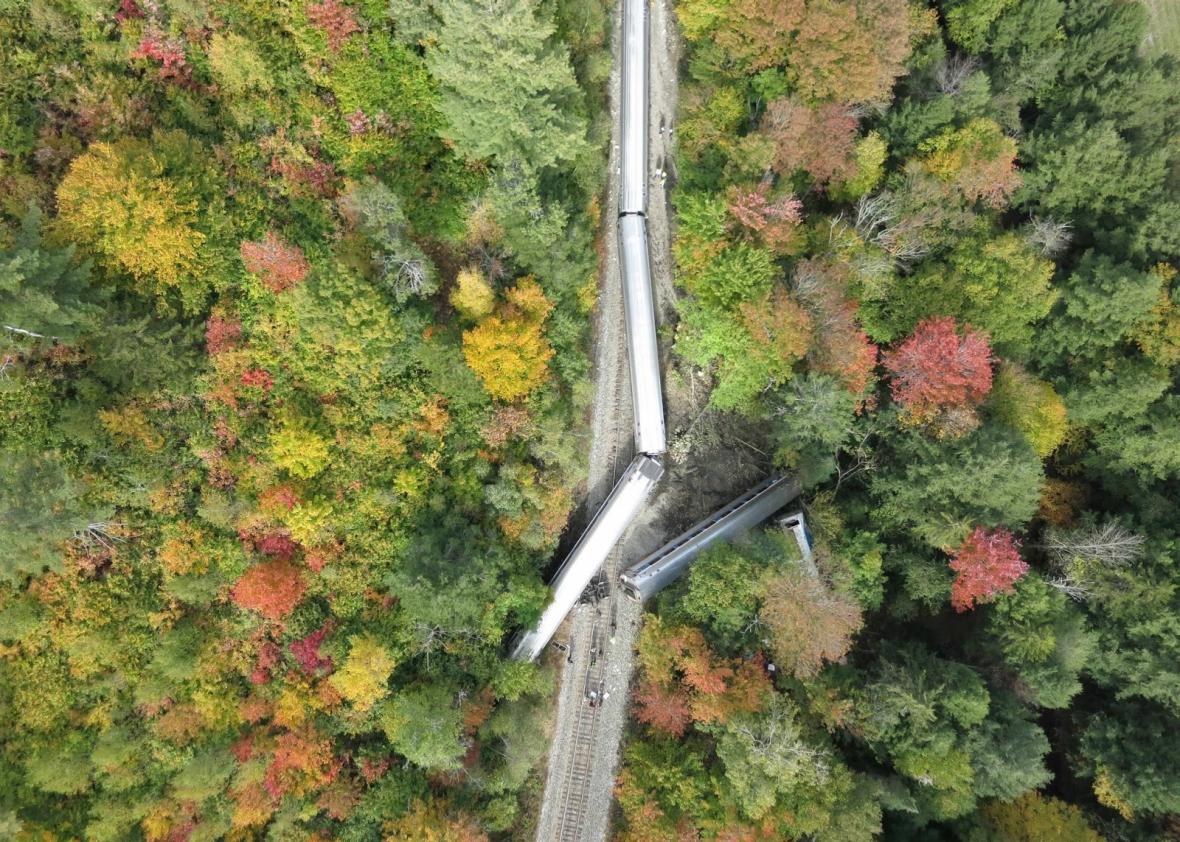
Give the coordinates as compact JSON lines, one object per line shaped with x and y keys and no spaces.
{"x":588,"y":555}
{"x":652,"y":574}
{"x":646,"y":389}
{"x":633,"y":153}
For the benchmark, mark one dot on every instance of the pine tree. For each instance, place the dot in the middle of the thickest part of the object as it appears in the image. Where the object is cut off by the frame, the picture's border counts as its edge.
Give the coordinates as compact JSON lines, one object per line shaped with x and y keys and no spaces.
{"x":507,"y":92}
{"x":45,"y":294}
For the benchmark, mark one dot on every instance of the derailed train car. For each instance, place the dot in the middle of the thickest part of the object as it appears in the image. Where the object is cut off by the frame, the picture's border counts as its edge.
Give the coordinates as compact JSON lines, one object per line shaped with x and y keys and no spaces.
{"x":632,"y":490}
{"x":646,"y":396}
{"x":633,"y":116}
{"x":643,"y":353}
{"x":652,"y":574}
{"x":616,"y":514}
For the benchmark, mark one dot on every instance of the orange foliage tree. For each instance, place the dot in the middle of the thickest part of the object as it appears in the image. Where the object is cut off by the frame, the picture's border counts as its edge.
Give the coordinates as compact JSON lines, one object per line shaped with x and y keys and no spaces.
{"x":780,"y":328}
{"x":279,"y":264}
{"x":841,"y":349}
{"x":821,"y":141}
{"x":853,"y":50}
{"x":272,"y":588}
{"x":810,"y":624}
{"x":757,"y":33}
{"x":978,"y":161}
{"x":684,"y":681}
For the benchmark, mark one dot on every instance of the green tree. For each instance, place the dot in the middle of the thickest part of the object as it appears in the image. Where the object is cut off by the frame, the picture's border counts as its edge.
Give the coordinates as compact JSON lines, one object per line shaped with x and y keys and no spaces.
{"x":1083,"y":167}
{"x":1134,"y":758}
{"x":996,"y":284}
{"x":1043,"y":636}
{"x":766,"y":754}
{"x":813,"y":415}
{"x":917,"y":711}
{"x":1007,"y":751}
{"x":41,"y":507}
{"x":1102,"y":302}
{"x":721,"y":594}
{"x":968,"y":20}
{"x":44,"y":292}
{"x":424,"y":725}
{"x":738,"y":273}
{"x":940,"y":490}
{"x":508,"y":91}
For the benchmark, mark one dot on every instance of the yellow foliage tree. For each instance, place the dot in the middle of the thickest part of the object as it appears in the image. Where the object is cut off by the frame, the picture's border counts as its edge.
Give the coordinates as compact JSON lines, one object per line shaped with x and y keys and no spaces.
{"x":132,"y":202}
{"x":433,"y":822}
{"x":1037,"y":818}
{"x":473,"y":296}
{"x":298,"y":451}
{"x":1158,"y":337}
{"x":362,"y":678}
{"x":1030,"y":406}
{"x":508,"y":351}
{"x":529,"y":299}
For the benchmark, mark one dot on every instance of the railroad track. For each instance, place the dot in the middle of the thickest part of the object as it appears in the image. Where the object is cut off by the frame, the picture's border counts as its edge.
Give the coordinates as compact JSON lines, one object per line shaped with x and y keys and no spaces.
{"x":579,"y":768}
{"x":577,"y":776}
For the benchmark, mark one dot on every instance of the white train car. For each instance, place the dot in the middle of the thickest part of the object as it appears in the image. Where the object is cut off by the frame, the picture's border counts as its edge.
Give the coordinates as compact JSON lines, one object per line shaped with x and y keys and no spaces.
{"x":652,"y":574}
{"x":587,"y":556}
{"x":633,"y":153}
{"x":647,"y":399}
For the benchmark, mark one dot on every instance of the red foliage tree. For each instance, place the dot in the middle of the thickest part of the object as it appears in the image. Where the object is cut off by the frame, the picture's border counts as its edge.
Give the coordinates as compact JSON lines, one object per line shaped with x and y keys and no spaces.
{"x":988,"y":563}
{"x":272,"y":588}
{"x":775,"y":223}
{"x":279,"y":498}
{"x":257,"y":378}
{"x":268,"y":656}
{"x":335,"y":20}
{"x":168,"y":52}
{"x":278,"y":545}
{"x":938,"y":367}
{"x":307,"y":651}
{"x":755,"y":211}
{"x":128,"y":10}
{"x":663,"y":709}
{"x":279,"y":264}
{"x":221,"y":334}
{"x":821,"y":141}
{"x":314,"y":178}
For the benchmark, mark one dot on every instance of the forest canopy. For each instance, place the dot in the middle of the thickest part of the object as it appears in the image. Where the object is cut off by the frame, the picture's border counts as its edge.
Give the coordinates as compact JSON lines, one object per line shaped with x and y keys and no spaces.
{"x":927,"y":257}
{"x":293,"y":347}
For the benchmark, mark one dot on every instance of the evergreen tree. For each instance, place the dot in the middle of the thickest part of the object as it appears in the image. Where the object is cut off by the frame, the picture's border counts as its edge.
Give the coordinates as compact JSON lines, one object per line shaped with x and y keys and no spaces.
{"x":507,"y":92}
{"x":45,"y":294}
